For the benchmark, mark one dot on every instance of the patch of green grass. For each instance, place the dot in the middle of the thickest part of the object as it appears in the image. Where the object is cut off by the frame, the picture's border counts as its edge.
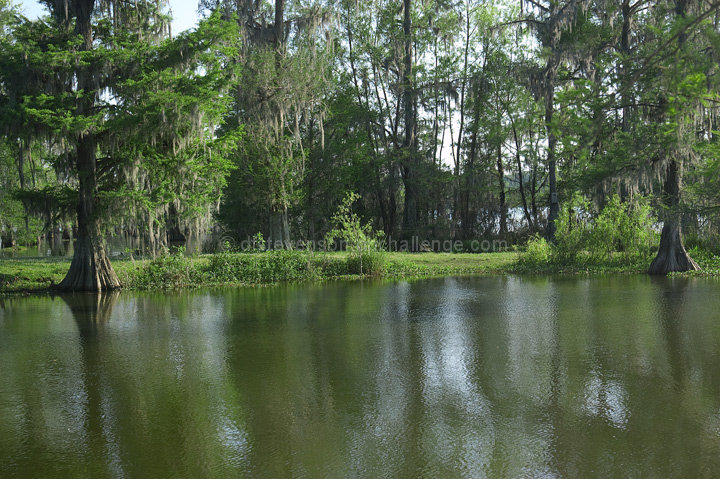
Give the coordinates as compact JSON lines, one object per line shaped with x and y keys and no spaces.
{"x":447,"y":264}
{"x":298,"y":266}
{"x":25,"y":274}
{"x":28,"y":275}
{"x":579,"y":268}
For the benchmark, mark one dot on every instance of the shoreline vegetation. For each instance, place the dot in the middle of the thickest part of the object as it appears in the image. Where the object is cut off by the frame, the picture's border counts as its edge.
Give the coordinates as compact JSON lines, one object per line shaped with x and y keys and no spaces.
{"x":620,"y":239}
{"x":175,"y":271}
{"x":250,"y":269}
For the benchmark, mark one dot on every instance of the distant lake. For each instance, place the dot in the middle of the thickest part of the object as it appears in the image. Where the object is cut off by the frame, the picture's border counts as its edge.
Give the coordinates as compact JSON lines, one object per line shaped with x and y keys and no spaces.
{"x":456,"y":377}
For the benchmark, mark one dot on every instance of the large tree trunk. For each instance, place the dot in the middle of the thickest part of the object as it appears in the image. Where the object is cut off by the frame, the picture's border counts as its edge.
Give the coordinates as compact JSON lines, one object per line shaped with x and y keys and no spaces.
{"x":90,"y":269}
{"x":279,"y":26}
{"x":410,"y":207}
{"x":392,"y":199}
{"x":671,"y":256}
{"x":468,"y":218}
{"x":533,"y":194}
{"x":625,"y":67}
{"x":279,"y":237}
{"x":549,"y":80}
{"x":521,"y":184}
{"x":456,"y":214}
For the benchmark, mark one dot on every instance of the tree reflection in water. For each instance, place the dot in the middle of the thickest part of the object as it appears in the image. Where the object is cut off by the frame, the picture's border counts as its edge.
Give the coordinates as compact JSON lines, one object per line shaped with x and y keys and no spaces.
{"x":454,"y":377}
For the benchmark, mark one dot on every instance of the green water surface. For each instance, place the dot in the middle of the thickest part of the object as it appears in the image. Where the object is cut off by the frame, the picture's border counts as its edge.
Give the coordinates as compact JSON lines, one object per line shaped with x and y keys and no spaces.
{"x":455,"y":377}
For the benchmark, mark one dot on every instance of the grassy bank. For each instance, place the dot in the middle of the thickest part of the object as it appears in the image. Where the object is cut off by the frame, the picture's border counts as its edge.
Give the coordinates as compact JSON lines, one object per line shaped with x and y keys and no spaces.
{"x":237,"y":269}
{"x":29,"y":275}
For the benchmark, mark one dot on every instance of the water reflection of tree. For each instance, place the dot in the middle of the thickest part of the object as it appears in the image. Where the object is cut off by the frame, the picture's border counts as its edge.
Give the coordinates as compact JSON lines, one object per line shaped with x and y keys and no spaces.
{"x":156,"y":402}
{"x":695,"y":422}
{"x":636,"y":393}
{"x":670,"y":299}
{"x":92,"y":312}
{"x":288,"y":365}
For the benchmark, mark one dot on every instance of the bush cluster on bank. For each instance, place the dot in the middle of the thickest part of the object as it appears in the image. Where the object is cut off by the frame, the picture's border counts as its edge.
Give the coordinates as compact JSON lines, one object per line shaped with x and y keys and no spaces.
{"x":622,"y":234}
{"x":278,"y":266}
{"x":177,"y":270}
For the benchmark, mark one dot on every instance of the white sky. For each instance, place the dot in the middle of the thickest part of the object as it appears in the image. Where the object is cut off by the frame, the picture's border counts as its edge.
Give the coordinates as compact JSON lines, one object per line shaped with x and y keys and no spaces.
{"x":184,"y":12}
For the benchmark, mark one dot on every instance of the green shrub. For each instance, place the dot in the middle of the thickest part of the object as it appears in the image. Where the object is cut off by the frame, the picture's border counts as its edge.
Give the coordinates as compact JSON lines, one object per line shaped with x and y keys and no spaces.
{"x":257,"y":243}
{"x":222,"y":266}
{"x":370,"y":263}
{"x":708,"y":242}
{"x":167,"y":272}
{"x":705,"y":257}
{"x":637,"y":239}
{"x":622,"y":232}
{"x":572,"y":230}
{"x":331,"y":265}
{"x":269,"y":267}
{"x":537,"y":253}
{"x":363,"y":244}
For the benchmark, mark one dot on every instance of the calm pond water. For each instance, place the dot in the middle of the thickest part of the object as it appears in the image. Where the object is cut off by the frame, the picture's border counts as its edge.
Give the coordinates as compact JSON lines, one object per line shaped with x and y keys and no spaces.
{"x":454,"y":377}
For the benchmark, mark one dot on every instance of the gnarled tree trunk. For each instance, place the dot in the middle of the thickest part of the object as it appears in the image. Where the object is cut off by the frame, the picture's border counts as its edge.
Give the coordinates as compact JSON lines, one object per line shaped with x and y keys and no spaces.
{"x":671,"y":256}
{"x":90,"y":269}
